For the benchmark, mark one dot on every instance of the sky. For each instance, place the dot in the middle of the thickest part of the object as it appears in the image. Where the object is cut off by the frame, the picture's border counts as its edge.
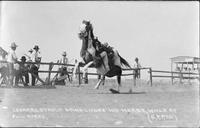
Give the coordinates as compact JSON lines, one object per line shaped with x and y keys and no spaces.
{"x":152,"y":31}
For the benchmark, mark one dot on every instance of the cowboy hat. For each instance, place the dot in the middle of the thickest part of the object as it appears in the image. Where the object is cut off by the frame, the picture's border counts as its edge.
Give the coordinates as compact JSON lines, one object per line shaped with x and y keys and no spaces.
{"x":23,"y":58}
{"x":87,"y":22}
{"x":13,"y":45}
{"x":36,"y":47}
{"x":64,"y":53}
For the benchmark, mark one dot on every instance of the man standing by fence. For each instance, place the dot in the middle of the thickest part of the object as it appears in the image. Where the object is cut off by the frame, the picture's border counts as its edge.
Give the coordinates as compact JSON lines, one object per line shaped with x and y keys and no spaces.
{"x":137,"y":67}
{"x":23,"y":71}
{"x":3,"y":67}
{"x":63,"y":68}
{"x":12,"y":59}
{"x":36,"y":57}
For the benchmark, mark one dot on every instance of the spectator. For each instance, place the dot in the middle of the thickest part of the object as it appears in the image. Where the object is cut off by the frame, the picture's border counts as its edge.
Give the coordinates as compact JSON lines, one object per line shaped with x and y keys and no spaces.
{"x":23,"y":71}
{"x":29,"y":55}
{"x":36,"y":57}
{"x":3,"y":68}
{"x":137,"y":67}
{"x":12,"y":59}
{"x":63,"y":60}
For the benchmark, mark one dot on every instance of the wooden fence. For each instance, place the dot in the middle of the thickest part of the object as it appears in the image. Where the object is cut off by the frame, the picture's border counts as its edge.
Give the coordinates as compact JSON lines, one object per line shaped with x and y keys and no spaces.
{"x":174,"y":75}
{"x":51,"y":65}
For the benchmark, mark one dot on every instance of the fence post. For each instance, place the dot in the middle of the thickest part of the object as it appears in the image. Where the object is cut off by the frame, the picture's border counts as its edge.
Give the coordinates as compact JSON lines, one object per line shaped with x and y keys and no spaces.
{"x":150,"y":71}
{"x":134,"y":78}
{"x":172,"y":77}
{"x":79,"y":76}
{"x":189,"y":77}
{"x":181,"y":77}
{"x":49,"y":74}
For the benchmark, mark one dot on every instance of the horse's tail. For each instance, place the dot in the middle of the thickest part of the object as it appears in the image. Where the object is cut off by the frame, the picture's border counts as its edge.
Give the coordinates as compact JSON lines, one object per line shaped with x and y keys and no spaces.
{"x":124,"y":62}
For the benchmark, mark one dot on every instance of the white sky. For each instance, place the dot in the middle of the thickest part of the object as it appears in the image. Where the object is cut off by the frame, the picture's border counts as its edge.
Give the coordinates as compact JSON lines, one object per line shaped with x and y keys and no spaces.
{"x":153,"y":31}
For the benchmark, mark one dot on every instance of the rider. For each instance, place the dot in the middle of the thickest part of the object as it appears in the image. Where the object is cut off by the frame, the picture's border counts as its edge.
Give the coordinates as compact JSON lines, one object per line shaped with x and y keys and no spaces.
{"x":89,"y":32}
{"x":105,"y":47}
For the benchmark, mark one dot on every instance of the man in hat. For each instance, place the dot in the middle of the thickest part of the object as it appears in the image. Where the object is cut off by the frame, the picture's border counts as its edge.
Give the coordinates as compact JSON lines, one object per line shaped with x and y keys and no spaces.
{"x":12,"y":59}
{"x":29,"y":55}
{"x":63,"y":68}
{"x":63,"y":60}
{"x":36,"y":57}
{"x":137,"y":67}
{"x":23,"y":71}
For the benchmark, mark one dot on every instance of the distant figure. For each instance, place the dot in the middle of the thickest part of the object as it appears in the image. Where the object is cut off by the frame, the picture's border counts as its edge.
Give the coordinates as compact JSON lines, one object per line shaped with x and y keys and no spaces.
{"x":3,"y":58}
{"x":3,"y":68}
{"x":63,"y":60}
{"x":12,"y":59}
{"x":63,"y":73}
{"x":76,"y":75}
{"x":30,"y":52}
{"x":36,"y":57}
{"x":23,"y":71}
{"x":137,"y":65}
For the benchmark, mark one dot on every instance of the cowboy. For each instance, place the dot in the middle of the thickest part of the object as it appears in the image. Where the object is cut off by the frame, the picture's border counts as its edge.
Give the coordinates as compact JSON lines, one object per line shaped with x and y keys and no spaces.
{"x":12,"y":59}
{"x":105,"y":48}
{"x":36,"y":57}
{"x":137,"y":67}
{"x":63,"y":60}
{"x":30,"y":52}
{"x":29,"y":55}
{"x":100,"y":58}
{"x":23,"y":71}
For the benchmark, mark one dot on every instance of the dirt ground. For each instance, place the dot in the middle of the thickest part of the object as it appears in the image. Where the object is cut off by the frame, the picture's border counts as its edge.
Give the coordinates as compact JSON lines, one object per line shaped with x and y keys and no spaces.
{"x":162,"y":104}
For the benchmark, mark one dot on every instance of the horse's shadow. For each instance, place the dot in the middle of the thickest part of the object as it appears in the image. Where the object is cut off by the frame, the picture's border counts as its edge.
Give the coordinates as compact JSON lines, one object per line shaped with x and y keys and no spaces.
{"x":112,"y":91}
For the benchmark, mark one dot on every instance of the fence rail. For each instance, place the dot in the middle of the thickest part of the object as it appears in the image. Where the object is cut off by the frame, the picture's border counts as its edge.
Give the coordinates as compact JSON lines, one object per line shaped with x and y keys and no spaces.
{"x":173,"y":75}
{"x":51,"y":65}
{"x":162,"y":74}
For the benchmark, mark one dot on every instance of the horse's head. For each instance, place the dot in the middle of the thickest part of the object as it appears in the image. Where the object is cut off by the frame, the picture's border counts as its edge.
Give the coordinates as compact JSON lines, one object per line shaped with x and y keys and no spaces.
{"x":85,"y":27}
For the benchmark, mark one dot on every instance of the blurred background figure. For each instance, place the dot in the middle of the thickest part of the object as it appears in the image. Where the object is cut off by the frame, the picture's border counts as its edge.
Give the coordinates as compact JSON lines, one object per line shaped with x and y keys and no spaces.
{"x":22,"y":72}
{"x":137,"y":67}
{"x":63,"y":60}
{"x":12,"y":59}
{"x":36,"y":57}
{"x":29,"y":55}
{"x":3,"y":67}
{"x":63,"y":68}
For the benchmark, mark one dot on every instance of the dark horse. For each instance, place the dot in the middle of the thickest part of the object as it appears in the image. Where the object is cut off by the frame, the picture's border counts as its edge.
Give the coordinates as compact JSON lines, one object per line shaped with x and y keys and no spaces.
{"x":99,"y":59}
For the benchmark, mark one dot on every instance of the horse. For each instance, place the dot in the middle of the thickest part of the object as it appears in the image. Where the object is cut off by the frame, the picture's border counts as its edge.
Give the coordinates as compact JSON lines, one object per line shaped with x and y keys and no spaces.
{"x":89,"y":55}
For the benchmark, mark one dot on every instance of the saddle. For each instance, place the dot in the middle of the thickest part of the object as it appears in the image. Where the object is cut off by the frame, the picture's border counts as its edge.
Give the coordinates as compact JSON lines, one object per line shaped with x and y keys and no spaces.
{"x":108,"y":50}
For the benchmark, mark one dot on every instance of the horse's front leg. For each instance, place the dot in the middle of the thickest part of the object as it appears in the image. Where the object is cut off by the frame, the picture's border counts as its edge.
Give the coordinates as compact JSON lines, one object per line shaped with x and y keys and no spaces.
{"x":84,"y":70}
{"x":99,"y":82}
{"x":75,"y":68}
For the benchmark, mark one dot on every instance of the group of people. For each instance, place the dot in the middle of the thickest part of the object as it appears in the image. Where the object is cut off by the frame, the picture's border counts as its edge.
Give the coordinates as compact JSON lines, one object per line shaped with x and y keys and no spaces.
{"x":13,"y":70}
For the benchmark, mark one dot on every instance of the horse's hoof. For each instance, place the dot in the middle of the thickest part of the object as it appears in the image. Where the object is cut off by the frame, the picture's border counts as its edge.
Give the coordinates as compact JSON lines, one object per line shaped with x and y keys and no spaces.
{"x":114,"y":91}
{"x":96,"y":88}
